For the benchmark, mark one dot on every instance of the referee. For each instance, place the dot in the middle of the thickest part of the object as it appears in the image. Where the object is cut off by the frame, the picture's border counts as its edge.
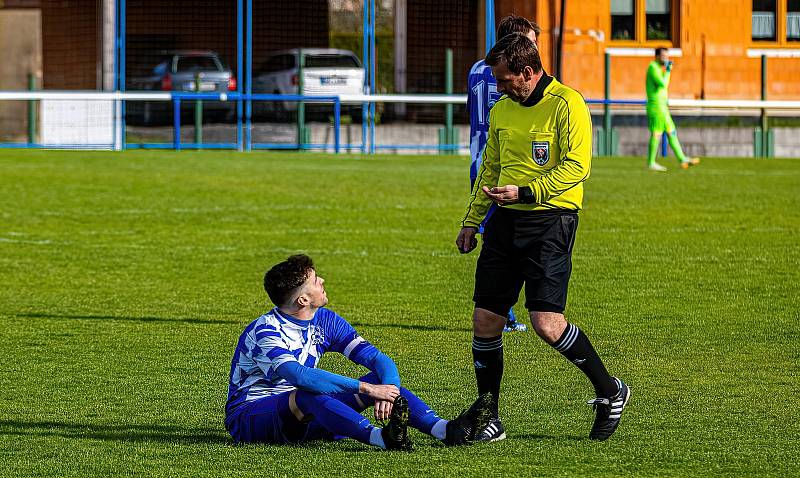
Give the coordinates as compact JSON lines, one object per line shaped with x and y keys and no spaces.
{"x":537,"y":156}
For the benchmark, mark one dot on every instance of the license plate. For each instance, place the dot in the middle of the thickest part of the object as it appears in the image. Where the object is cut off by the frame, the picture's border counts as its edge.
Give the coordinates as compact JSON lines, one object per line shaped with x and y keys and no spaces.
{"x":205,"y":86}
{"x":333,"y":80}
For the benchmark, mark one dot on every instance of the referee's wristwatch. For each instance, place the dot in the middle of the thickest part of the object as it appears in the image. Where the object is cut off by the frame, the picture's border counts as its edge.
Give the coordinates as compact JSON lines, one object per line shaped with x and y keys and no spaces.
{"x":526,"y":195}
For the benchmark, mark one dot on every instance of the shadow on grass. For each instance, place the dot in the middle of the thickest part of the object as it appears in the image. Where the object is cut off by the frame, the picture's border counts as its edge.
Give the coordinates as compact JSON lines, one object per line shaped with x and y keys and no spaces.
{"x":39,"y":315}
{"x":425,"y":328}
{"x":538,"y":436}
{"x":146,"y":433}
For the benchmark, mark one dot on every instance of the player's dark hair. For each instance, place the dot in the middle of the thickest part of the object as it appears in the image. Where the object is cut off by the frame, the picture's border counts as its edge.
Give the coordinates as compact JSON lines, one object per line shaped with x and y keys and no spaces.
{"x":517,"y":51}
{"x":516,"y":24}
{"x":660,"y":49}
{"x":283,"y":279}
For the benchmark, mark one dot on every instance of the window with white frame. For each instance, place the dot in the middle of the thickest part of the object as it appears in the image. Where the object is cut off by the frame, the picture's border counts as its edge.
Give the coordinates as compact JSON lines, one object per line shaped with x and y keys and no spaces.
{"x":764,"y":15}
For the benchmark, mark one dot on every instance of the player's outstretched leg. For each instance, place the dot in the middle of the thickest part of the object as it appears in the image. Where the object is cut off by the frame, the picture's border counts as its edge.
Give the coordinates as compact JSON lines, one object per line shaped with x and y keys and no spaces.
{"x":421,"y":416}
{"x":685,"y":162}
{"x":512,"y":325}
{"x":575,"y":346}
{"x":608,"y":412}
{"x":340,"y":419}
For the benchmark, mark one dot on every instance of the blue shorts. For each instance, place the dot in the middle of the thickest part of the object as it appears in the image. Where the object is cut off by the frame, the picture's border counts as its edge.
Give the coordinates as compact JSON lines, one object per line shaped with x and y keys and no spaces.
{"x":269,"y":419}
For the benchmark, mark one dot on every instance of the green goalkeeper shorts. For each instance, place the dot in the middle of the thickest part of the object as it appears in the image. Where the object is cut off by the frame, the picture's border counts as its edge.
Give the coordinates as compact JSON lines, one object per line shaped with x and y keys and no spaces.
{"x":658,"y":119}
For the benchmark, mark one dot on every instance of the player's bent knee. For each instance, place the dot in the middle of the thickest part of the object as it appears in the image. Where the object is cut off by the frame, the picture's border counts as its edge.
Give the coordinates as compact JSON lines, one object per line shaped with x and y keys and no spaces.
{"x":486,"y":323}
{"x":548,"y":325}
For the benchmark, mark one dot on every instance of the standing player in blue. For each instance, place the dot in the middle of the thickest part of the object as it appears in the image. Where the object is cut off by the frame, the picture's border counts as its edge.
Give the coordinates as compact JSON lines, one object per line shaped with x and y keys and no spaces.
{"x":482,"y":95}
{"x":276,"y":393}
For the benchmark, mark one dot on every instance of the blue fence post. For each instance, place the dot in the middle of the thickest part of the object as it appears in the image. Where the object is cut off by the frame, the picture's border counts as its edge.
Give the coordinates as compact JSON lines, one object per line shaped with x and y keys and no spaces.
{"x":373,"y":67}
{"x":115,"y":68}
{"x":664,"y":145}
{"x":366,"y":63}
{"x":239,"y":69}
{"x":337,"y":112}
{"x":176,"y":123}
{"x":489,"y":25}
{"x":249,"y":74}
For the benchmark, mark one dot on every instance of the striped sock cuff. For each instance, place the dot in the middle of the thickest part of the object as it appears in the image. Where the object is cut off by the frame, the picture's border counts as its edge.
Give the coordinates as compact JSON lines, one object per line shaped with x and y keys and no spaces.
{"x":481,"y":344}
{"x":567,"y":338}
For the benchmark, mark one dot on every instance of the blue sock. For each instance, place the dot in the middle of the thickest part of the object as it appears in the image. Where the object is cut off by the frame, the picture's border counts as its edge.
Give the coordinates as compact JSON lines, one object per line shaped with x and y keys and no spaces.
{"x":421,"y":416}
{"x":335,"y":416}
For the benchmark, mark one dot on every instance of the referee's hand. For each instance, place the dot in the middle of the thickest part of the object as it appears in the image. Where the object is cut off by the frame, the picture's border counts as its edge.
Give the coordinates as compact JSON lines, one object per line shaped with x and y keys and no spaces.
{"x":466,"y":240}
{"x":503,"y":195}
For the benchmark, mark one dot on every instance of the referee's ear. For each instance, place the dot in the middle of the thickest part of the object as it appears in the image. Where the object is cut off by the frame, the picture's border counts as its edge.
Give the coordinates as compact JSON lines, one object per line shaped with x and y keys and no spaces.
{"x":527,"y":73}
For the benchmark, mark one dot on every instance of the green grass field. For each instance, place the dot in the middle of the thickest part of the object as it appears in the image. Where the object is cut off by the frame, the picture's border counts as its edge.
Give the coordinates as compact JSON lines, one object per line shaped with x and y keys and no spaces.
{"x":127,"y":279}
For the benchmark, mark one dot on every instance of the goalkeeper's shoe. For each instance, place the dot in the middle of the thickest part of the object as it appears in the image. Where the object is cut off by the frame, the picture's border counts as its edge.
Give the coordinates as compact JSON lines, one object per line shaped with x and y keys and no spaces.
{"x":395,"y":433}
{"x":494,"y":431}
{"x":608,"y":412}
{"x":689,"y":163}
{"x":463,"y":429}
{"x":657,"y":167}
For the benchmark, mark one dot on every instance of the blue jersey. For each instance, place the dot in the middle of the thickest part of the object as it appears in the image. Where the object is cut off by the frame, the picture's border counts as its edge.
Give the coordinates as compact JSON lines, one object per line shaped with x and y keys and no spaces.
{"x":275,"y":339}
{"x":481,"y":96}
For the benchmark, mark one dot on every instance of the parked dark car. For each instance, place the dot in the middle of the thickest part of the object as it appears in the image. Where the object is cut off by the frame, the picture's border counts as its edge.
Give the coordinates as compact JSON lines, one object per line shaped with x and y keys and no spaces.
{"x":179,"y":71}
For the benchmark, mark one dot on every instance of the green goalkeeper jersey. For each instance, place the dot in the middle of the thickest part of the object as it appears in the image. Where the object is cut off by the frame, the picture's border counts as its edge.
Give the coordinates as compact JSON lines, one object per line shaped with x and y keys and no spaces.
{"x":544,"y":143}
{"x":657,"y":83}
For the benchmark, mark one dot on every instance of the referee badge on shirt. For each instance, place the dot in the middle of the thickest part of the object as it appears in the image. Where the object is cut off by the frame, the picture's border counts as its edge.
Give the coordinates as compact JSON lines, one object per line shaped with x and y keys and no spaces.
{"x":541,"y":152}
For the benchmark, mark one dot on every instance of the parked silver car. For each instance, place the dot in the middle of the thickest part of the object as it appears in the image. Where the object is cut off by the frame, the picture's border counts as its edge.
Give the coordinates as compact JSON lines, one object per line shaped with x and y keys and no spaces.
{"x":327,"y":71}
{"x":179,"y":71}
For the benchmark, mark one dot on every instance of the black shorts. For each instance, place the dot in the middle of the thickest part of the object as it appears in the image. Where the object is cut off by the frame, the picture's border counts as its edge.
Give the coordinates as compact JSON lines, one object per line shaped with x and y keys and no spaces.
{"x":525,"y":247}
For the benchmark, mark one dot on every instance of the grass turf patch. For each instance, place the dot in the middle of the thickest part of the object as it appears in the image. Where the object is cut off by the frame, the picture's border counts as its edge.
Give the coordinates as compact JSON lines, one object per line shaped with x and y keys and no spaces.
{"x":128,"y":277}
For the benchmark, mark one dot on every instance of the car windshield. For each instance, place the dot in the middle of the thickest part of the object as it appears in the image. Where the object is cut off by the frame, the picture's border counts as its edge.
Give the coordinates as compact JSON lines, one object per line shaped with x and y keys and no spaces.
{"x":331,"y":61}
{"x":198,"y":63}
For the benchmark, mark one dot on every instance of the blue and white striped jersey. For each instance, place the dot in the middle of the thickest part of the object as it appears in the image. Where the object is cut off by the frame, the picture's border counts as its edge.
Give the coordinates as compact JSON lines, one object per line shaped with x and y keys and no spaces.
{"x":275,"y":339}
{"x":481,"y":96}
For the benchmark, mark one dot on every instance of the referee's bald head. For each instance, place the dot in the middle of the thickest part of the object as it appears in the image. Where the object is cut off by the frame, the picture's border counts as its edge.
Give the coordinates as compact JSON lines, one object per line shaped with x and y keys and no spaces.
{"x":517,"y":51}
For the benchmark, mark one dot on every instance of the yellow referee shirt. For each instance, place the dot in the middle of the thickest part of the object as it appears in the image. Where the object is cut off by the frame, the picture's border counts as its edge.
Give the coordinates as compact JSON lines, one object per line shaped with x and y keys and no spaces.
{"x":544,"y":143}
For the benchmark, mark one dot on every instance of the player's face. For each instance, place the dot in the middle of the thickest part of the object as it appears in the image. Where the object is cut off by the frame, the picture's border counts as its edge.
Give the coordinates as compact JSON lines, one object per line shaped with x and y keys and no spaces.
{"x":517,"y":87}
{"x":314,"y":290}
{"x":663,"y":57}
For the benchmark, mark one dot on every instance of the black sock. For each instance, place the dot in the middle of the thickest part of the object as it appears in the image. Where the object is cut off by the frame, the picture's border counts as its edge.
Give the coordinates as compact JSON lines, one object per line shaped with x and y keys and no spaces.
{"x":575,"y":346}
{"x":487,"y":356}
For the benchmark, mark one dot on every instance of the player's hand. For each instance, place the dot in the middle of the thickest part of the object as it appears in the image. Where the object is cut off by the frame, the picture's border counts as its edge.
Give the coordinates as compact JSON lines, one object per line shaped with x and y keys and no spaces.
{"x":379,"y":392}
{"x":383,"y":408}
{"x":466,"y":240}
{"x":502,"y":195}
{"x":669,"y":66}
